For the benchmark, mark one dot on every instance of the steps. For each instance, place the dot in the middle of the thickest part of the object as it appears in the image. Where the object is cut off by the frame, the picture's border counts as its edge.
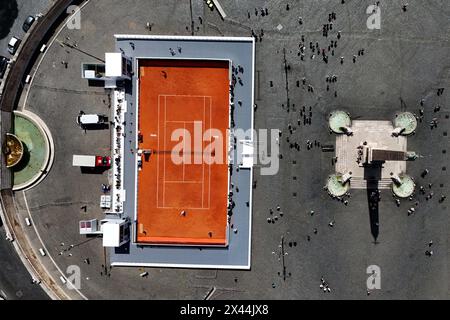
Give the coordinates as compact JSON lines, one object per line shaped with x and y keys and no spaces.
{"x":359,"y":183}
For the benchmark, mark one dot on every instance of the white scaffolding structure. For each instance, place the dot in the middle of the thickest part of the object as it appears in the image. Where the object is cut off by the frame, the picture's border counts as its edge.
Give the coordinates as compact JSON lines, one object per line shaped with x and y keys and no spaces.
{"x":118,"y":192}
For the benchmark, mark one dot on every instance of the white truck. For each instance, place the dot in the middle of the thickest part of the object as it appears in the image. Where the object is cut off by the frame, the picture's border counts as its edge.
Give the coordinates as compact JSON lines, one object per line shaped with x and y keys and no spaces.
{"x":91,"y":161}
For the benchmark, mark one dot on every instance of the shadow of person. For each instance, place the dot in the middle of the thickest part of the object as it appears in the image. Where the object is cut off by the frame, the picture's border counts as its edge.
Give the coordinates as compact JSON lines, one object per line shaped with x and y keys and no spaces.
{"x":8,"y":14}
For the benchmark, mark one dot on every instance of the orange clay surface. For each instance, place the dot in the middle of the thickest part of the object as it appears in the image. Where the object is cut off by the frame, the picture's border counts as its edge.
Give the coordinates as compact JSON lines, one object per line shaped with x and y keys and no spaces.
{"x":181,"y":94}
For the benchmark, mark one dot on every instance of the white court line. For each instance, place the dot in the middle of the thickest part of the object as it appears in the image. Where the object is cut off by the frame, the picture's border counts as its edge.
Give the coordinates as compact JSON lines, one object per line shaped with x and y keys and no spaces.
{"x":179,"y":121}
{"x":209,"y":176}
{"x":184,"y":148}
{"x":184,"y":95}
{"x":164,"y":158}
{"x":184,"y":207}
{"x":183,"y":182}
{"x":157,"y":159}
{"x":203,"y":162}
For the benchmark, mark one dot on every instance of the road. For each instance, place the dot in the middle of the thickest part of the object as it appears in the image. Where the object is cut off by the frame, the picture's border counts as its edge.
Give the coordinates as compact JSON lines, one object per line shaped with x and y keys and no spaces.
{"x":12,"y":15}
{"x":15,"y":281}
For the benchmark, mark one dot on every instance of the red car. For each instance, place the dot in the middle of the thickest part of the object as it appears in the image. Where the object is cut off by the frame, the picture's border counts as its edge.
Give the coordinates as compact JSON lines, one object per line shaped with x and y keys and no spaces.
{"x":102,"y":161}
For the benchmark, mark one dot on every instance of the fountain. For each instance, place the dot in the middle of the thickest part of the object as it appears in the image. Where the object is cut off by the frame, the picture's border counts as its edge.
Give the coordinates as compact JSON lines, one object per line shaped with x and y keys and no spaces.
{"x":28,"y":150}
{"x":13,"y":150}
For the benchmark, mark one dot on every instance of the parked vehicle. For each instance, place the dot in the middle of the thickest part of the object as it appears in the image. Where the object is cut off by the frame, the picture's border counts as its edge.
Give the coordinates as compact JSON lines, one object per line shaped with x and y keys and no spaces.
{"x":28,"y":23}
{"x":3,"y":65}
{"x":13,"y":45}
{"x":85,"y":120}
{"x":91,"y":161}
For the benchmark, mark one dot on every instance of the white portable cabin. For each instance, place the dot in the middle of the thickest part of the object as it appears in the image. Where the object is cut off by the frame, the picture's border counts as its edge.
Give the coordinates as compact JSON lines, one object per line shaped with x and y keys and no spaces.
{"x":89,"y":227}
{"x":115,"y":232}
{"x":117,"y":66}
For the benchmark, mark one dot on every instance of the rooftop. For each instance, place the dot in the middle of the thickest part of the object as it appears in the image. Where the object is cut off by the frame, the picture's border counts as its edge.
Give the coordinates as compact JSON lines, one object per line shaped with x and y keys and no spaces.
{"x":162,"y":224}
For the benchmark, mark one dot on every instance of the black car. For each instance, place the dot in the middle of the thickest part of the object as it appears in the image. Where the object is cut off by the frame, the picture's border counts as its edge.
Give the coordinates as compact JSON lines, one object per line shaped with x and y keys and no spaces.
{"x":3,"y":64}
{"x":28,"y":23}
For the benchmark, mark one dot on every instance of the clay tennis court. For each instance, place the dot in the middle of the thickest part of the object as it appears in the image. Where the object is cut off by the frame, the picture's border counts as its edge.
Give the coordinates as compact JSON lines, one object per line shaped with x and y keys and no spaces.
{"x":183,"y":203}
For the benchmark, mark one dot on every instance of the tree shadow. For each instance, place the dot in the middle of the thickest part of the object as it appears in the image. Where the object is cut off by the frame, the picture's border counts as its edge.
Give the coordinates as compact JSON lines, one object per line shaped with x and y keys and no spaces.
{"x":8,"y":14}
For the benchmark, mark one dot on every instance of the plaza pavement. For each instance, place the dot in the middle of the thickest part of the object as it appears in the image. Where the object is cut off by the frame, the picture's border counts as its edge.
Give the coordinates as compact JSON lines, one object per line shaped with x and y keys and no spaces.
{"x":404,"y":62}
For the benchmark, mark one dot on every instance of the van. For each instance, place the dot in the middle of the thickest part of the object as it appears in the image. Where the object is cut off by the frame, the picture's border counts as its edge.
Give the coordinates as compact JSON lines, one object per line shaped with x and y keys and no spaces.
{"x":28,"y":221}
{"x":85,"y":120}
{"x":42,"y":252}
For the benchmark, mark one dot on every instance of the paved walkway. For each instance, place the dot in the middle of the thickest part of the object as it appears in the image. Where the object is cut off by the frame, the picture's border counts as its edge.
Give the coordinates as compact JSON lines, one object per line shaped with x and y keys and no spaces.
{"x":396,"y":64}
{"x":15,"y":280}
{"x":28,"y":243}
